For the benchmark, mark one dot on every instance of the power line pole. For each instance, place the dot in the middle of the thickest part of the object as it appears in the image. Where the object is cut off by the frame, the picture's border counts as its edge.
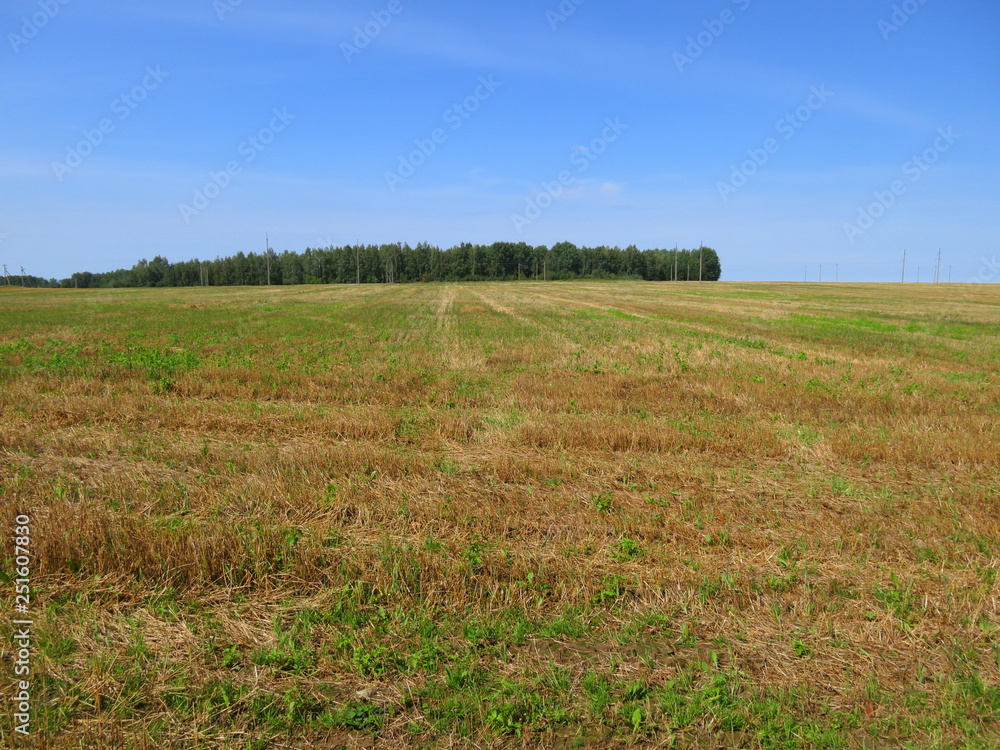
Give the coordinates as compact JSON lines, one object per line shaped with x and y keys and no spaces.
{"x":6,"y":275}
{"x":357,"y":257}
{"x":903,"y":279}
{"x":676,"y":248}
{"x":805,"y":272}
{"x":918,"y":274}
{"x":22,"y":275}
{"x":949,"y":274}
{"x":701,"y":255}
{"x":820,"y":273}
{"x":937,"y":272}
{"x":267,"y":257}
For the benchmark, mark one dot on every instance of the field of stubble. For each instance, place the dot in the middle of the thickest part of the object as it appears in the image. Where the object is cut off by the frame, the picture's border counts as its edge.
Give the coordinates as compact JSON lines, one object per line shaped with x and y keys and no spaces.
{"x":505,"y":515}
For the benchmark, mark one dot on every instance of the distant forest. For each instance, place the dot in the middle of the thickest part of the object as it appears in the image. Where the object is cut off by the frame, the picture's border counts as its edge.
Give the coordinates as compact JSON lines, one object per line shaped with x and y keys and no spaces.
{"x":400,"y":263}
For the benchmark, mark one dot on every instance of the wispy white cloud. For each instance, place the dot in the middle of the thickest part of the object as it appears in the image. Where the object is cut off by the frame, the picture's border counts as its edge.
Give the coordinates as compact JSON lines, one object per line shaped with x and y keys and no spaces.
{"x":722,"y":78}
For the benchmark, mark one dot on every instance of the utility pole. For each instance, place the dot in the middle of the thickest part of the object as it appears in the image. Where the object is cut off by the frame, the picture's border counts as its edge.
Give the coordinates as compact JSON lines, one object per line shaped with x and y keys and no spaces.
{"x":820,"y":273}
{"x":267,"y":257}
{"x":937,"y":272}
{"x":918,"y":274}
{"x":805,"y":272}
{"x":837,"y":277}
{"x":357,"y":258}
{"x":701,"y":255}
{"x":22,"y":275}
{"x":676,"y":247}
{"x":6,"y":275}
{"x":949,"y":274}
{"x":545,"y":267}
{"x":903,"y":279}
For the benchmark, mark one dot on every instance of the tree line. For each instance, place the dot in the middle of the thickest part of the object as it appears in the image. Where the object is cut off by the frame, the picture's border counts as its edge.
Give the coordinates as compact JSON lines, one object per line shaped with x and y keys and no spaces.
{"x":17,"y":279}
{"x":400,"y":263}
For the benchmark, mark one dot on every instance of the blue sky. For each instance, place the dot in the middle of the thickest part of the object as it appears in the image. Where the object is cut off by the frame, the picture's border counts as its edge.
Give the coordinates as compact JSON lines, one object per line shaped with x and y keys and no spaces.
{"x":783,"y":134}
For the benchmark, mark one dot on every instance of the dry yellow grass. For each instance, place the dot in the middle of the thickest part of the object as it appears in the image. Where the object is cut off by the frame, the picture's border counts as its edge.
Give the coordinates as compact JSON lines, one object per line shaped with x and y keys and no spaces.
{"x":491,"y":515}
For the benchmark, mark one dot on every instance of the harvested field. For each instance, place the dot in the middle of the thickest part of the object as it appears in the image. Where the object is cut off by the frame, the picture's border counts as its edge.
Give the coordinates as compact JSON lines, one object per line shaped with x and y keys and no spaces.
{"x":596,"y":515}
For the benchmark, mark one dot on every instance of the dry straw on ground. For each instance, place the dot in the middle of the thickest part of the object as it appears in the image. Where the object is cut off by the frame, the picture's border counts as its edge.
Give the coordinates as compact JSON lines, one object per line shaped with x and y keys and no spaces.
{"x":539,"y":515}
